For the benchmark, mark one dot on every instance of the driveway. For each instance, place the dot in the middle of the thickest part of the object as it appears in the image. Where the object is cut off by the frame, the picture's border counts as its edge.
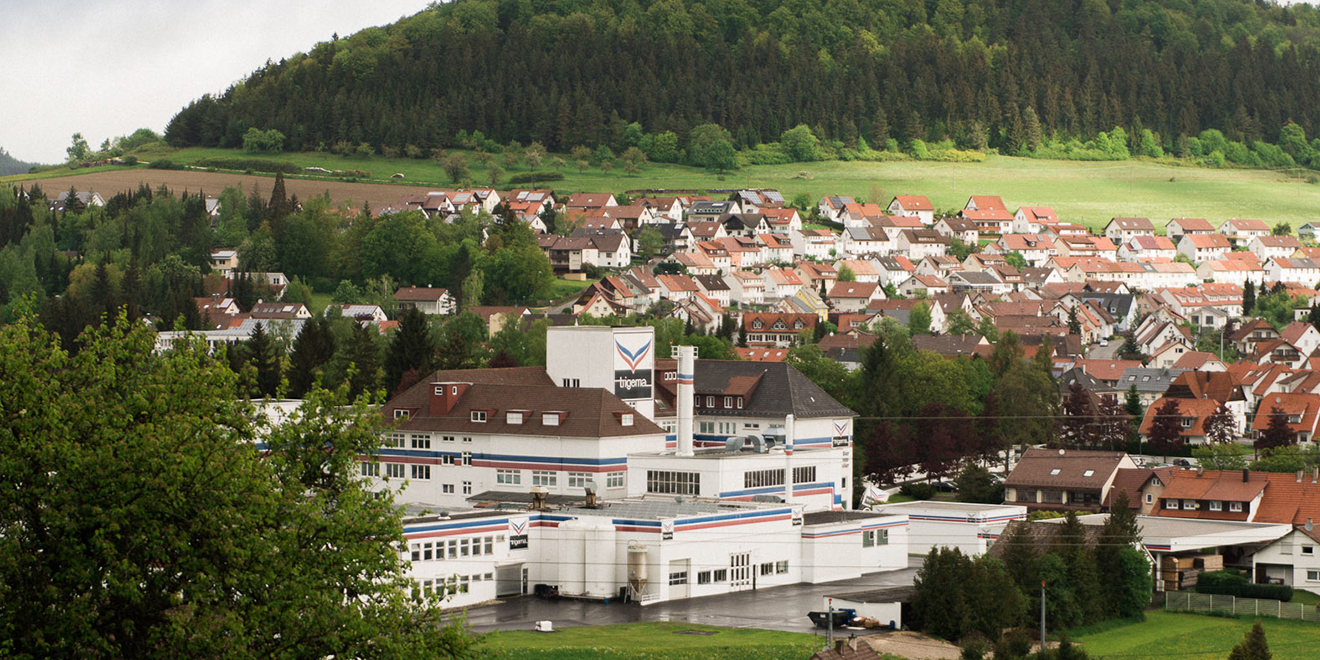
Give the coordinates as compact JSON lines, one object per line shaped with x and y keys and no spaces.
{"x":780,"y":608}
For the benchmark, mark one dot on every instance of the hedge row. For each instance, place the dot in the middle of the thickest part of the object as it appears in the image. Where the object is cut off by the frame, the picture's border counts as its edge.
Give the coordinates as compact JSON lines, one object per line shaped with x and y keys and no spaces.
{"x":536,"y":177}
{"x":254,"y":164}
{"x":1228,"y":583}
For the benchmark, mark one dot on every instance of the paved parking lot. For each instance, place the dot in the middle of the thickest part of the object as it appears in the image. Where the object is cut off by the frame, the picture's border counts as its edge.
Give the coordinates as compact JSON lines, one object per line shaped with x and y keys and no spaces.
{"x":779,"y":608}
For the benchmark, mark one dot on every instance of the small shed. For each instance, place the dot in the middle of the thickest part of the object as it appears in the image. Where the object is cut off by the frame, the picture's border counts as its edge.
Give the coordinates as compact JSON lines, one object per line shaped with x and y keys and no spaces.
{"x":882,"y":605}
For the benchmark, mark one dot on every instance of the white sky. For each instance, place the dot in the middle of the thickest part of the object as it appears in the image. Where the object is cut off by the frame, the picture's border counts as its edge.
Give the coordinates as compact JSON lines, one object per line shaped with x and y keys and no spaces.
{"x":106,"y":68}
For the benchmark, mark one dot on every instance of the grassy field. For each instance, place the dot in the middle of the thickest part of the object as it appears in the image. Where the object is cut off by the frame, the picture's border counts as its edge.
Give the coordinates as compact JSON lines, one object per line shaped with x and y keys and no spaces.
{"x":654,"y":641}
{"x":1197,"y":637}
{"x":1084,"y":192}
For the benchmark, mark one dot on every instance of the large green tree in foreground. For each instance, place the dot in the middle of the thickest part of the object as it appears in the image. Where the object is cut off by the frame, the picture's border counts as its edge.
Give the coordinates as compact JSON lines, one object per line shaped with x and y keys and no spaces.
{"x":138,"y":518}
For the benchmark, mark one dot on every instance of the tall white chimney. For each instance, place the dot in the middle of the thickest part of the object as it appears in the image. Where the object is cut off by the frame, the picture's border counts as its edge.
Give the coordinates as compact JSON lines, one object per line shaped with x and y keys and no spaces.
{"x":687,"y":359}
{"x":788,"y":457}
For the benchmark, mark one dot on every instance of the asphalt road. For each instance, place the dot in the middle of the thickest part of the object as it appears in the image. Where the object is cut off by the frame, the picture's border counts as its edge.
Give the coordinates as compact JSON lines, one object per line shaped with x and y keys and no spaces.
{"x":780,"y":608}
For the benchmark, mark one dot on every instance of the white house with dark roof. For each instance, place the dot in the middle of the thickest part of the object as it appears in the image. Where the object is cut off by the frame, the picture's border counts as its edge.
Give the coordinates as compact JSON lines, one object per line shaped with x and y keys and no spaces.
{"x":1178,"y":227}
{"x":1121,"y":230}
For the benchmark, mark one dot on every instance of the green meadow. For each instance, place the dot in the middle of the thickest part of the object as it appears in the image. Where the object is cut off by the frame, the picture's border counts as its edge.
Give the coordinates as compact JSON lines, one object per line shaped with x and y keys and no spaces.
{"x":1198,"y":637}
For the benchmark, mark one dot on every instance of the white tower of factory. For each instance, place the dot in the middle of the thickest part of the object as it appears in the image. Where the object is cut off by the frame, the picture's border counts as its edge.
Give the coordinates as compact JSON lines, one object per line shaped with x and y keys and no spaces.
{"x":621,"y":360}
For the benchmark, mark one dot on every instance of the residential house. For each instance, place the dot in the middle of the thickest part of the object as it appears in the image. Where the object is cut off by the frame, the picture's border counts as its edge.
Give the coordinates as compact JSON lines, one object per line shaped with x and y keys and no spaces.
{"x":717,"y":253}
{"x":939,"y":266}
{"x":746,"y":288}
{"x":1150,"y":383}
{"x":703,"y":313}
{"x":676,"y":234}
{"x":985,"y":202}
{"x":962,"y":229}
{"x":923,"y":285}
{"x":1033,"y":219}
{"x":987,"y":282}
{"x":1298,"y":271}
{"x":753,"y":201}
{"x":989,"y":222}
{"x":1193,"y":415}
{"x":1178,"y":227}
{"x":1148,"y":247}
{"x":893,"y":270}
{"x":1122,"y":230}
{"x":900,"y":309}
{"x":1055,"y":480}
{"x":775,"y":329}
{"x":663,"y":209}
{"x":217,"y":312}
{"x":706,"y":231}
{"x":695,"y":262}
{"x":897,"y":224}
{"x":1232,"y":271}
{"x":1240,"y":231}
{"x":860,"y":241}
{"x":775,"y":248}
{"x":913,"y":205}
{"x":86,"y":198}
{"x":831,"y":205}
{"x":863,"y":270}
{"x":783,"y":221}
{"x":222,"y":261}
{"x":279,"y":311}
{"x":761,"y":354}
{"x":427,"y":299}
{"x":1036,"y":249}
{"x":1307,"y":232}
{"x":365,"y":313}
{"x":568,"y":253}
{"x":715,"y":288}
{"x":711,"y":211}
{"x":921,"y":243}
{"x":860,"y":215}
{"x":854,"y":297}
{"x":676,"y":288}
{"x":584,"y":202}
{"x":744,"y":224}
{"x":780,"y":283}
{"x":1301,"y":410}
{"x":612,"y":248}
{"x":1269,"y":246}
{"x":819,"y":244}
{"x":1203,"y":247}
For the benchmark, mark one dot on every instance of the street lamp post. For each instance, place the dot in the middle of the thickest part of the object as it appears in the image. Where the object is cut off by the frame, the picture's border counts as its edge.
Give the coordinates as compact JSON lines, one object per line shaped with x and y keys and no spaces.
{"x":1042,"y":617}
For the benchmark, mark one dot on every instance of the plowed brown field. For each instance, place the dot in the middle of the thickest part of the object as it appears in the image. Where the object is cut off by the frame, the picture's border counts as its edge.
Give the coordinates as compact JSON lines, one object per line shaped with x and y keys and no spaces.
{"x":378,"y":195}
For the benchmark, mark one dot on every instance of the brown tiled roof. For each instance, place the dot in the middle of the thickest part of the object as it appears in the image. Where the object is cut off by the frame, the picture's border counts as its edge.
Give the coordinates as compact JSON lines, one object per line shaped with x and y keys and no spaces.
{"x":419,"y":293}
{"x":1225,"y":486}
{"x":1036,"y":467}
{"x":1131,"y":481}
{"x":1107,"y":370}
{"x":591,"y":412}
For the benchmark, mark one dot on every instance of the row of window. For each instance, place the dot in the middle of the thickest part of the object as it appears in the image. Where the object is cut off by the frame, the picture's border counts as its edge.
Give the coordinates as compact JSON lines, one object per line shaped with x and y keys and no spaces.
{"x":1193,"y":505}
{"x":710,"y":401}
{"x":717,"y":428}
{"x":418,"y":440}
{"x":763,"y":478}
{"x":455,"y":584}
{"x":453,"y":548}
{"x":422,"y":472}
{"x":670,"y":482}
{"x":804,"y":475}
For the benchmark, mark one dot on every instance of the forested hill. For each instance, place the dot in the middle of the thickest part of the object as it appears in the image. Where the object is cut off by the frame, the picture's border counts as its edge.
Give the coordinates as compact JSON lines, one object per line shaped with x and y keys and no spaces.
{"x":573,"y":72}
{"x":10,"y":165}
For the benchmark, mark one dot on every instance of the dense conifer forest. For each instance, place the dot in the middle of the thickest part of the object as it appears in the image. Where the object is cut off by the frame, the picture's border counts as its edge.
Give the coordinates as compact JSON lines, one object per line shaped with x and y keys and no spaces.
{"x":1003,"y":74}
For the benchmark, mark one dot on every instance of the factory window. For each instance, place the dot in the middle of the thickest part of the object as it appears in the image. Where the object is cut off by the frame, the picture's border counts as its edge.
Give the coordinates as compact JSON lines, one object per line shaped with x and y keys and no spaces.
{"x":614,"y":480}
{"x":370,"y":469}
{"x":543,"y":478}
{"x":396,"y":440}
{"x":467,"y":458}
{"x":868,"y":538}
{"x":463,"y":584}
{"x":467,"y":487}
{"x":768,"y":568}
{"x":447,"y":489}
{"x":740,"y":403}
{"x":804,"y":475}
{"x":728,"y":402}
{"x":728,"y":428}
{"x":446,"y":438}
{"x":421,"y":472}
{"x":488,"y":545}
{"x":721,"y":575}
{"x":1313,"y":576}
{"x":710,"y":402}
{"x":394,"y":470}
{"x":467,"y":438}
{"x":478,"y":416}
{"x":673,"y":483}
{"x":508,"y":477}
{"x":882,"y":537}
{"x":453,"y":548}
{"x":571,"y":382}
{"x":781,"y":567}
{"x":763,"y":478}
{"x":578,"y":479}
{"x":1235,"y":507}
{"x":421,"y":441}
{"x":703,"y":577}
{"x":706,"y":427}
{"x":464,"y":547}
{"x":1216,"y":506}
{"x":447,"y":459}
{"x":752,"y":425}
{"x":678,"y":578}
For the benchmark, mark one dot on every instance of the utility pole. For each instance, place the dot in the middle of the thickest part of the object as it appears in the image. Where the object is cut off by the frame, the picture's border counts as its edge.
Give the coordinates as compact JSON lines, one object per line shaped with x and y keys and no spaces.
{"x":1042,"y":616}
{"x":830,"y":638}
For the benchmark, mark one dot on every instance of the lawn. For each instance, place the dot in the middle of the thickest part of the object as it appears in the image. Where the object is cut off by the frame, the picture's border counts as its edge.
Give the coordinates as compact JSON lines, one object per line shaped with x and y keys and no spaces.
{"x":1084,"y":192}
{"x":1198,"y":637}
{"x":654,"y":641}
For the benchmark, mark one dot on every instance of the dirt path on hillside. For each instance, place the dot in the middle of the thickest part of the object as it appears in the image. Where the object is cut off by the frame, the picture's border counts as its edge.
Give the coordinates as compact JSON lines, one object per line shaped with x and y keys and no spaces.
{"x":378,"y":195}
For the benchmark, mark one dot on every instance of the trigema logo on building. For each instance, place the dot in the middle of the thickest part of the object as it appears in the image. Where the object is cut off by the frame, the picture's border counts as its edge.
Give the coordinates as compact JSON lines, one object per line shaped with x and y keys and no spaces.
{"x":633,"y":364}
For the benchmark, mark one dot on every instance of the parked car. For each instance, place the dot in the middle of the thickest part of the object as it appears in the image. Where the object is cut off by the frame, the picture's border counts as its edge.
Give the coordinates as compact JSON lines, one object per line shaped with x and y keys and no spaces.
{"x":945,"y":486}
{"x":1182,"y":462}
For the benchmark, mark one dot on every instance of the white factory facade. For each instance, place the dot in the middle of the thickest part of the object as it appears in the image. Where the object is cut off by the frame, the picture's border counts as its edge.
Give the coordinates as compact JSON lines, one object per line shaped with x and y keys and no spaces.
{"x":610,"y":472}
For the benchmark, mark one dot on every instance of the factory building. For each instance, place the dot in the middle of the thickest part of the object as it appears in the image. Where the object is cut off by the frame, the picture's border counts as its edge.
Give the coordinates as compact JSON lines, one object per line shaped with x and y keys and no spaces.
{"x":647,"y":551}
{"x":971,"y":528}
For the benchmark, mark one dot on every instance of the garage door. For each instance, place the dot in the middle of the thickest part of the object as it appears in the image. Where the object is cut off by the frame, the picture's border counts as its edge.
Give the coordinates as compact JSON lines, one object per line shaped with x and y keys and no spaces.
{"x":509,"y":580}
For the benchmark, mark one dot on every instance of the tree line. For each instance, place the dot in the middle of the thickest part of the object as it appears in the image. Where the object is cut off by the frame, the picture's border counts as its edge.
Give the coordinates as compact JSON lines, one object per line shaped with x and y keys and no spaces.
{"x":1223,"y":80}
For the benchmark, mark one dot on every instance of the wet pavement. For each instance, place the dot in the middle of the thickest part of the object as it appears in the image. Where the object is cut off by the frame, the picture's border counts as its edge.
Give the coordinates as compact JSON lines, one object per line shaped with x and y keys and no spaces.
{"x":780,"y":608}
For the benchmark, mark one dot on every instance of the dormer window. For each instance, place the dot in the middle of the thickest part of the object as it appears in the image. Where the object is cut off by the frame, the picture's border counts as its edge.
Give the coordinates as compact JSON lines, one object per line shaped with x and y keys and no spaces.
{"x":710,"y":402}
{"x":400,"y":413}
{"x":740,"y":403}
{"x":514,"y":417}
{"x":550,"y":419}
{"x":728,"y":402}
{"x":626,"y":419}
{"x":756,"y":325}
{"x":1235,"y":507}
{"x":439,"y":390}
{"x":1187,"y":422}
{"x":479,"y":416}
{"x":797,"y":325}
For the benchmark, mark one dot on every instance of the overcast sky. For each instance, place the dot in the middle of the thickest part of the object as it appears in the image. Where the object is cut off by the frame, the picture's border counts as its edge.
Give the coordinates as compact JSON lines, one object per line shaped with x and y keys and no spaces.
{"x":106,"y":68}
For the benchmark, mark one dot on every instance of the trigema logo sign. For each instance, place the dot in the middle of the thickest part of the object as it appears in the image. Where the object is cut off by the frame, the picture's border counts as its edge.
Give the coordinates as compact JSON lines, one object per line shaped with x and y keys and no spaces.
{"x":633,"y":362}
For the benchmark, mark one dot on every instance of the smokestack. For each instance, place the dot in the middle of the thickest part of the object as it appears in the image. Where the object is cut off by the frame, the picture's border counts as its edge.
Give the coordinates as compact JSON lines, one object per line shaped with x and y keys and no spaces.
{"x":687,"y":359}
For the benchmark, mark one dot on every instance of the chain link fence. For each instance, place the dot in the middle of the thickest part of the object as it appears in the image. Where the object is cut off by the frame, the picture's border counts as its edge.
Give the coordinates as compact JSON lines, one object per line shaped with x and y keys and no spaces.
{"x":1187,"y":601}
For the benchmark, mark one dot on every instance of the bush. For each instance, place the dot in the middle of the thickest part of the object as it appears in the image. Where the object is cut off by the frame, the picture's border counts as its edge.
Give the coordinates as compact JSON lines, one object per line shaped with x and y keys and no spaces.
{"x":918,"y":491}
{"x":130,"y":160}
{"x":254,"y":164}
{"x":164,"y":164}
{"x":1228,"y":583}
{"x":537,"y":177}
